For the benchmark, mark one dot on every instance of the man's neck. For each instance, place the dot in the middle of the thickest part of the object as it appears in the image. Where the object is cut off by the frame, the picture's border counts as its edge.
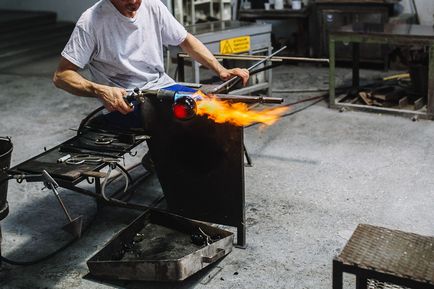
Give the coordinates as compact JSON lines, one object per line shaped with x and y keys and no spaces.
{"x":123,"y":11}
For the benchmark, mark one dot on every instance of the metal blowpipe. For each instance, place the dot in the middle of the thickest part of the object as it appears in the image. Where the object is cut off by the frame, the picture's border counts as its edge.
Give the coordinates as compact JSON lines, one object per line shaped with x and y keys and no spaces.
{"x":227,"y":84}
{"x":249,"y":99}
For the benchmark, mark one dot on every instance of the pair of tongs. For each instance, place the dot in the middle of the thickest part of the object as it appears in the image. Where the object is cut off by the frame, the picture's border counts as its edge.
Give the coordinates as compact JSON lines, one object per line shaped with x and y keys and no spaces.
{"x":113,"y":165}
{"x":227,"y":85}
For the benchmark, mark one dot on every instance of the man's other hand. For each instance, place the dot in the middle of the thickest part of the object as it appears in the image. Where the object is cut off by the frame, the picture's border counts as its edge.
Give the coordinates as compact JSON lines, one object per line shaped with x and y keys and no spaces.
{"x":113,"y":99}
{"x":229,"y":73}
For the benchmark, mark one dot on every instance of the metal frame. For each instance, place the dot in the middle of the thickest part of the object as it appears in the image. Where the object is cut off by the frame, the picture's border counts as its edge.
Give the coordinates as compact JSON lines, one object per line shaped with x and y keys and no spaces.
{"x":362,"y":276}
{"x":381,"y":38}
{"x":96,"y":193}
{"x":342,"y":7}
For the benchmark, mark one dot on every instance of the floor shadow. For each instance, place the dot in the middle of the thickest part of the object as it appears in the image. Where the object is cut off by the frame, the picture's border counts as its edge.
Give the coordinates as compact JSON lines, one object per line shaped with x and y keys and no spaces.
{"x":33,"y":230}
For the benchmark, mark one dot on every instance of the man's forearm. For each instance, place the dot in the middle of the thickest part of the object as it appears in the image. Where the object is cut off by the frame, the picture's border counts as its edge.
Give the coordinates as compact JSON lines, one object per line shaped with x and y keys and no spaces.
{"x":72,"y":82}
{"x":201,"y":54}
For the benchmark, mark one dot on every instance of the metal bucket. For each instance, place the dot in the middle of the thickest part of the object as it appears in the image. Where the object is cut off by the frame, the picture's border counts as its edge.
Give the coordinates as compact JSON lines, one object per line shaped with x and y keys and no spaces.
{"x":5,"y":161}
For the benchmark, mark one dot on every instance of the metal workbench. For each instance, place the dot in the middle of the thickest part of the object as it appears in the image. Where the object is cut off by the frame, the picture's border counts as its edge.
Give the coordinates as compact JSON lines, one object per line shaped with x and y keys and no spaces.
{"x":399,"y":34}
{"x":211,"y":34}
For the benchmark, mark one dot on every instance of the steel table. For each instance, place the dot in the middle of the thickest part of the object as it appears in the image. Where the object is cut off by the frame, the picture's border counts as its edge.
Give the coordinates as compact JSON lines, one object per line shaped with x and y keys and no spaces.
{"x":398,"y":34}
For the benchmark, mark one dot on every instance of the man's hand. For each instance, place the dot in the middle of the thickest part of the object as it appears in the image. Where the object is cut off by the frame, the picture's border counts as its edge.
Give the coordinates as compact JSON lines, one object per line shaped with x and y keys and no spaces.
{"x":113,"y":99}
{"x":226,"y":74}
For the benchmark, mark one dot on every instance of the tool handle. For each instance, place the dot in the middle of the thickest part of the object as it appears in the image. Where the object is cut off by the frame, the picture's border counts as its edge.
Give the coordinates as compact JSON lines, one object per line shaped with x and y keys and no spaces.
{"x":130,"y":98}
{"x":56,"y":193}
{"x":219,"y":254}
{"x":161,"y":94}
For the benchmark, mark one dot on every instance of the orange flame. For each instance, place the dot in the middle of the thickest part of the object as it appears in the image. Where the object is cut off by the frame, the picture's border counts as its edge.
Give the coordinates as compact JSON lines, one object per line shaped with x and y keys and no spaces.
{"x":239,"y":114}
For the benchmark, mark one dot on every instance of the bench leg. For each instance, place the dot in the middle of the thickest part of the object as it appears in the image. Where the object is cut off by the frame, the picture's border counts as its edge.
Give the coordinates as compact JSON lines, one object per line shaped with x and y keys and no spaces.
{"x":337,"y":275}
{"x":361,"y":282}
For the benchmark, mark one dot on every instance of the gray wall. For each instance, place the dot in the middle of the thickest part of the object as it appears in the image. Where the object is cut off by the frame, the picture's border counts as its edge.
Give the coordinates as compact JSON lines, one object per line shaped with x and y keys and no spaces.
{"x":70,"y":10}
{"x":425,"y":9}
{"x":67,"y":10}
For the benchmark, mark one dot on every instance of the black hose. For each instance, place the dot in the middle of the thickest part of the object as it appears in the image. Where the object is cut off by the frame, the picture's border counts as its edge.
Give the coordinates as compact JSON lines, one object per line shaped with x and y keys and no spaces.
{"x":87,"y":118}
{"x":317,"y":98}
{"x":303,"y":100}
{"x":38,"y":260}
{"x":41,"y":259}
{"x":302,"y":108}
{"x":33,"y":262}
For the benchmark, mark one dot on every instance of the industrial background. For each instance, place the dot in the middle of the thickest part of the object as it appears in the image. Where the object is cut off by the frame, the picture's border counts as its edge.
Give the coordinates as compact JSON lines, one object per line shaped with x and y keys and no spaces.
{"x":336,"y":193}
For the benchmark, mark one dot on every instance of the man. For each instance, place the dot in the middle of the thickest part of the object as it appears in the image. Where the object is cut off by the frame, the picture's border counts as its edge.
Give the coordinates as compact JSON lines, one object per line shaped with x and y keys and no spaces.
{"x":122,"y":41}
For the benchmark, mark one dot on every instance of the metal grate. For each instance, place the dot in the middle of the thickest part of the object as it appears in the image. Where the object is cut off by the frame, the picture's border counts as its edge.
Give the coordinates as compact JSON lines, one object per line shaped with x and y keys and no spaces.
{"x":394,"y":252}
{"x":375,"y":284}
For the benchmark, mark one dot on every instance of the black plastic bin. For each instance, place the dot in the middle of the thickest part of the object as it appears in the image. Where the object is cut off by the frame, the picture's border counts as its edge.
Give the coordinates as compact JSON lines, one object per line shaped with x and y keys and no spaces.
{"x":5,"y":161}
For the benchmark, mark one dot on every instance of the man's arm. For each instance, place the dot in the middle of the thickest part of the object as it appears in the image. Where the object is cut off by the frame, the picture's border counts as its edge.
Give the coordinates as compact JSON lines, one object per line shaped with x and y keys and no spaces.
{"x":67,"y":78}
{"x":201,"y":54}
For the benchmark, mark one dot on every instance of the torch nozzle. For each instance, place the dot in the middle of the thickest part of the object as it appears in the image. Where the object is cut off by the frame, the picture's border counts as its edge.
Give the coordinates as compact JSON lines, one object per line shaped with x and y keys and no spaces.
{"x":139,"y":95}
{"x":185,"y":104}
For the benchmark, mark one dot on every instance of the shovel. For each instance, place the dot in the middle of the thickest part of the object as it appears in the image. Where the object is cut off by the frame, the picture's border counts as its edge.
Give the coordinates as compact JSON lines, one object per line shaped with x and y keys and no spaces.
{"x":74,"y":227}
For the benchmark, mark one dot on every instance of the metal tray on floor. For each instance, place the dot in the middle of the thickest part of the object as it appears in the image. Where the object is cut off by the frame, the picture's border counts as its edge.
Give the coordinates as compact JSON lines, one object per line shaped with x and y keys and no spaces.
{"x":158,"y":246}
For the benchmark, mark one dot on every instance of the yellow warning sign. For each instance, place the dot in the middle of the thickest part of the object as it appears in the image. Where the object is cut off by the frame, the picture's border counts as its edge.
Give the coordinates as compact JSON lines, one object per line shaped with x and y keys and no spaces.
{"x":235,"y":45}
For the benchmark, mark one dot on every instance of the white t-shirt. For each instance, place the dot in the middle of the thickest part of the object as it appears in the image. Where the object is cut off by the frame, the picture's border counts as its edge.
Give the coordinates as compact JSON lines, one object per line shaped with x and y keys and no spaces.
{"x":121,"y":51}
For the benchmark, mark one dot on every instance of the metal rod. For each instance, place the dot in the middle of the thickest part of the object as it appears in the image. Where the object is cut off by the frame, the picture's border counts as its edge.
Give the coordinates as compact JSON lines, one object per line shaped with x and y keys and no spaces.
{"x":294,"y":90}
{"x":257,"y":57}
{"x":416,"y":13}
{"x":181,"y":70}
{"x":249,"y":99}
{"x":356,"y":66}
{"x":225,"y":84}
{"x":246,"y":154}
{"x":51,"y":184}
{"x":56,"y":193}
{"x":266,"y":58}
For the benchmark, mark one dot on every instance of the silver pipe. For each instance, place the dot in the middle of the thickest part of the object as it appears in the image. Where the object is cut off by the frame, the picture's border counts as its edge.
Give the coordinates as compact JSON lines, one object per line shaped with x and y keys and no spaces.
{"x":228,"y":82}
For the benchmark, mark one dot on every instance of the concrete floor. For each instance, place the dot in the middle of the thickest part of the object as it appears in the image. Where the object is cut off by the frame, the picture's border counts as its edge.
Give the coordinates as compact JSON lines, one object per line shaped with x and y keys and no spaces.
{"x":316,"y":175}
